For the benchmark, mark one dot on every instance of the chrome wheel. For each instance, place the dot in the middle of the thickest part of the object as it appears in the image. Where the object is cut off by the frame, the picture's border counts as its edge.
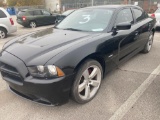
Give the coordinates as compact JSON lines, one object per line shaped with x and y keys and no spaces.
{"x":2,"y":34}
{"x":33,"y":25}
{"x":150,"y":42}
{"x":89,"y":82}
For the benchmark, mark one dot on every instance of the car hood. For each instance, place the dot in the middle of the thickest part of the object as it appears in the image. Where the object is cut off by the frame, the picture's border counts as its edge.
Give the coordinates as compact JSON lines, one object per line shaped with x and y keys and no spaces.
{"x":39,"y":47}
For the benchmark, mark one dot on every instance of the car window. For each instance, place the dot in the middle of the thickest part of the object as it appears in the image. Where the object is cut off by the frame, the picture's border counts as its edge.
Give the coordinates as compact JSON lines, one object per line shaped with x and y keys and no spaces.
{"x":124,"y":15}
{"x":31,"y":13}
{"x":37,"y":12}
{"x":2,"y":14}
{"x":138,"y":14}
{"x":95,"y":20}
{"x":46,"y":12}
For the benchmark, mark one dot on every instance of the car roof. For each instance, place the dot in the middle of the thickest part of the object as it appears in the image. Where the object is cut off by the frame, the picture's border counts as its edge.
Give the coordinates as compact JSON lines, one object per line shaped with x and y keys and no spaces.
{"x":114,"y":6}
{"x":30,"y":9}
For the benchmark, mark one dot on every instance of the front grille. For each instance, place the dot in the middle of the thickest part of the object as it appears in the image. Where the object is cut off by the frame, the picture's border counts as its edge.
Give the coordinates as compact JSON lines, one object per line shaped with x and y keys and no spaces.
{"x":10,"y":73}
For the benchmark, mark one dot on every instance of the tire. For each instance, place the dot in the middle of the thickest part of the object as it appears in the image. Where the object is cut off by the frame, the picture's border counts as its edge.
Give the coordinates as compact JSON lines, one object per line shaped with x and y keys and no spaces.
{"x":32,"y":24}
{"x":84,"y":88}
{"x":3,"y":33}
{"x":149,"y":43}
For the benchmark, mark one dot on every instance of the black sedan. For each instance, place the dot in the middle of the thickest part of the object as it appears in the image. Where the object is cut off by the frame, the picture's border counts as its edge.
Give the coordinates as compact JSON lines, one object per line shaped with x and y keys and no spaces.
{"x":71,"y":59}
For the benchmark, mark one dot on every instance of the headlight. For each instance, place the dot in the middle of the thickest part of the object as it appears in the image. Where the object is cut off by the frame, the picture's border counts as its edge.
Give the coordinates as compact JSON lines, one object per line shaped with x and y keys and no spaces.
{"x":45,"y":71}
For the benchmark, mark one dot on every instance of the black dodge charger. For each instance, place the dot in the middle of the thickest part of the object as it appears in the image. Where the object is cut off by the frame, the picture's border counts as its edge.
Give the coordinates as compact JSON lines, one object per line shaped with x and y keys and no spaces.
{"x":71,"y":59}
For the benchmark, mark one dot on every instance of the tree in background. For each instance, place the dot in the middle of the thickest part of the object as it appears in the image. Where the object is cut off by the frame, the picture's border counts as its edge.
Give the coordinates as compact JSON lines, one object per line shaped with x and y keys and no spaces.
{"x":2,"y":4}
{"x":24,"y":2}
{"x":11,"y":2}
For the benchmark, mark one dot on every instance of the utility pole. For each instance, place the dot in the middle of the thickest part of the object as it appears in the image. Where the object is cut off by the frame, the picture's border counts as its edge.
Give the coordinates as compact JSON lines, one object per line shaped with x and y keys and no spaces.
{"x":92,"y":2}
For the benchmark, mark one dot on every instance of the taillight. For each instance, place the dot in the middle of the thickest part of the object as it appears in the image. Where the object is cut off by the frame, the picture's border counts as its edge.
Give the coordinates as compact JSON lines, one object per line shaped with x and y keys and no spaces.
{"x":153,"y":15}
{"x":23,"y":18}
{"x":11,"y":20}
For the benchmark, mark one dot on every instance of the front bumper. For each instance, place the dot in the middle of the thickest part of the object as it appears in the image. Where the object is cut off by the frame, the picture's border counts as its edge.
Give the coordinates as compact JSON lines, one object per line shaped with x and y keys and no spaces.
{"x":53,"y":93}
{"x":46,"y":91}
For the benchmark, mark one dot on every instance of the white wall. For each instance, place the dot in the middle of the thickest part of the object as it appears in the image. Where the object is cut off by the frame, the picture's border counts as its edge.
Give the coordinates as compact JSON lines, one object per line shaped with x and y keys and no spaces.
{"x":51,"y":5}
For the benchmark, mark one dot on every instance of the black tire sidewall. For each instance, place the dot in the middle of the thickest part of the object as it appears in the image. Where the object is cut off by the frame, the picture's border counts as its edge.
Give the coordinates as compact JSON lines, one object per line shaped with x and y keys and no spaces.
{"x":145,"y":50}
{"x":82,"y":68}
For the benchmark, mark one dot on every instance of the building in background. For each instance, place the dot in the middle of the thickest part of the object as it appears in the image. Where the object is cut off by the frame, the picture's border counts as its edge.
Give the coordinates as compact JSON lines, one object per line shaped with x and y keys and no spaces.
{"x":53,"y":5}
{"x":62,"y":5}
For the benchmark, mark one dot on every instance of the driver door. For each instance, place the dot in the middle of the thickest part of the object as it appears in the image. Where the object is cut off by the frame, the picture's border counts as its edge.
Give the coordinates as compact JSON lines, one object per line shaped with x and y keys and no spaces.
{"x":126,"y":40}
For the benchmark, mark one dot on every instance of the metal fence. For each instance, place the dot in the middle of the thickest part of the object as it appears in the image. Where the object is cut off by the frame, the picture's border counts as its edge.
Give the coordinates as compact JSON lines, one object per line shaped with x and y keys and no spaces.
{"x":75,"y":4}
{"x":86,"y":4}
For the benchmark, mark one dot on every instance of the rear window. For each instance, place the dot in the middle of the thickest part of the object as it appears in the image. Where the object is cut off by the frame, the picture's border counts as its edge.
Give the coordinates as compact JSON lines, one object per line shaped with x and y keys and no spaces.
{"x":22,"y":13}
{"x":2,"y":14}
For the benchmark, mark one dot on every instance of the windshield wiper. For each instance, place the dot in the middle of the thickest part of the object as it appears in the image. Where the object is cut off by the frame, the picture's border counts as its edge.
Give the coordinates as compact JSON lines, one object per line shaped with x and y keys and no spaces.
{"x":72,"y":29}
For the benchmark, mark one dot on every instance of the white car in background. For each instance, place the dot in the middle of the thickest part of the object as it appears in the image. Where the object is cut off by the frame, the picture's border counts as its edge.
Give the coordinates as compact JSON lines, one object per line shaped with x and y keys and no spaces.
{"x":7,"y":25}
{"x":157,"y":16}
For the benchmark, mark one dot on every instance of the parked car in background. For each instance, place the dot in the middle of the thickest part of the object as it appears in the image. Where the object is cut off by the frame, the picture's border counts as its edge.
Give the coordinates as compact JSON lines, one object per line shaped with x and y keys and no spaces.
{"x":6,"y":24}
{"x":35,"y":17}
{"x":60,"y":17}
{"x":72,"y":58}
{"x":157,"y":16}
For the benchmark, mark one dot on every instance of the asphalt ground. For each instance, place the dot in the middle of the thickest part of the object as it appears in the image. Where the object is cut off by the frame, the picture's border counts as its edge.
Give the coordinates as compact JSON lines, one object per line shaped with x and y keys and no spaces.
{"x":131,"y":92}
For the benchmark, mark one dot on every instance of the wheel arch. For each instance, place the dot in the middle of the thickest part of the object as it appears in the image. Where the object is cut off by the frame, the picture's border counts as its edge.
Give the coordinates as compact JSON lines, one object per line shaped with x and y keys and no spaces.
{"x":95,"y":56}
{"x":4,"y":28}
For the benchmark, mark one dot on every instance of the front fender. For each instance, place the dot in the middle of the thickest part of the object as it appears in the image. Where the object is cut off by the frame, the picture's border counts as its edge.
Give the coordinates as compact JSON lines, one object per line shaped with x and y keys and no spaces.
{"x":70,"y":58}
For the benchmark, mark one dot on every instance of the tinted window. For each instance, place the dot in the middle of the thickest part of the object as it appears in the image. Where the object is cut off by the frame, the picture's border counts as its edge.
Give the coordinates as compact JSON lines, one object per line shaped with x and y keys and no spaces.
{"x":124,"y":15}
{"x":2,"y":14}
{"x":45,"y":12}
{"x":37,"y":12}
{"x":138,"y":14}
{"x":30,"y":12}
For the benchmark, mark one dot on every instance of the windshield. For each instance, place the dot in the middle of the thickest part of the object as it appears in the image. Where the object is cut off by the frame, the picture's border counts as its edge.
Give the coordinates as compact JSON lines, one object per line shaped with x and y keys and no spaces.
{"x":68,"y":12}
{"x":95,"y":20}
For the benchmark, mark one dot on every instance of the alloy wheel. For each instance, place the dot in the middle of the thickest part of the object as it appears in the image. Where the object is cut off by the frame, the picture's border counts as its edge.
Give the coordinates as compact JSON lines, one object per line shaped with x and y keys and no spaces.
{"x":150,"y":42}
{"x":2,"y":34}
{"x":89,"y":82}
{"x":33,"y":25}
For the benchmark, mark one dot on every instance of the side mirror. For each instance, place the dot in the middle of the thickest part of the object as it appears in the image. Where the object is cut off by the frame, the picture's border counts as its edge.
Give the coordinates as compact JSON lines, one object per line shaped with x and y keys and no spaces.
{"x":57,"y":22}
{"x":123,"y":26}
